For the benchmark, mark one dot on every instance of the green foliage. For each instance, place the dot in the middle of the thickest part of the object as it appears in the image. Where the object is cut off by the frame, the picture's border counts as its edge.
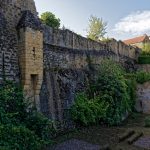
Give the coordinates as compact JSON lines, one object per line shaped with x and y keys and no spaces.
{"x":112,"y":86}
{"x":50,"y":19}
{"x":131,"y":90}
{"x":144,"y":59}
{"x":112,"y":91}
{"x":96,"y":29}
{"x":146,"y":49}
{"x":106,"y":39}
{"x":41,"y":126}
{"x":18,"y":137}
{"x":12,"y":104}
{"x":147,"y":122}
{"x":142,"y":77}
{"x":21,"y":126}
{"x":86,"y":111}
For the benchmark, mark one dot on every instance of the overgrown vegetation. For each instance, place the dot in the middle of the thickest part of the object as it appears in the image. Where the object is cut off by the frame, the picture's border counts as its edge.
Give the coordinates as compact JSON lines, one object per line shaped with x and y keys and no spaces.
{"x":139,"y":76}
{"x":112,"y":90}
{"x":142,"y":77}
{"x":21,"y":126}
{"x":88,"y":111}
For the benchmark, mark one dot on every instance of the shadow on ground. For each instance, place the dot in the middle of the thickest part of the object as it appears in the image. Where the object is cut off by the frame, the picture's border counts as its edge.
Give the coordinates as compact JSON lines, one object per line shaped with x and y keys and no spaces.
{"x":97,"y":137}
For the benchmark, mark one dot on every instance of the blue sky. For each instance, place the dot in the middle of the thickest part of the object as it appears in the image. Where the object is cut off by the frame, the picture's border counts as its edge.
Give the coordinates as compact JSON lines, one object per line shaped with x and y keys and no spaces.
{"x":125,"y":18}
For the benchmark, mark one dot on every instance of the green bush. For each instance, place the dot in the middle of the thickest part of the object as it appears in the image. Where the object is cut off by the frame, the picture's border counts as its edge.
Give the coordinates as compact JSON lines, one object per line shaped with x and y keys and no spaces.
{"x":131,"y":89}
{"x":147,"y":122}
{"x":144,"y":59}
{"x":41,"y":126}
{"x":87,"y":112}
{"x":142,"y":77}
{"x":111,"y":89}
{"x":12,"y":104}
{"x":18,"y":137}
{"x":112,"y":86}
{"x":21,"y":126}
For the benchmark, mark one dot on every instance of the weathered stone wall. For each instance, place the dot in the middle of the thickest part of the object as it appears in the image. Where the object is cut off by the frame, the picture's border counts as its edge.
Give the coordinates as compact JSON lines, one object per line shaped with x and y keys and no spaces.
{"x":143,"y":98}
{"x":9,"y":67}
{"x":71,"y":40}
{"x":10,"y":14}
{"x":12,"y":10}
{"x":143,"y":92}
{"x":66,"y":56}
{"x":66,"y":71}
{"x":66,"y":67}
{"x":60,"y":57}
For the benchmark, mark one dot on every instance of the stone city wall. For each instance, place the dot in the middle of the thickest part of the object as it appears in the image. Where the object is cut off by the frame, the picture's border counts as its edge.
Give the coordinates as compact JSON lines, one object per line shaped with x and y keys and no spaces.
{"x":9,"y":67}
{"x":67,"y":57}
{"x":69,"y":39}
{"x":66,"y":67}
{"x":12,"y":10}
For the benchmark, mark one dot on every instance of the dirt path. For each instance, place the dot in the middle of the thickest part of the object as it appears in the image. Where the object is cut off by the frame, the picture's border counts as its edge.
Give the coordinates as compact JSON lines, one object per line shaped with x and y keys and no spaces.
{"x":94,"y":137}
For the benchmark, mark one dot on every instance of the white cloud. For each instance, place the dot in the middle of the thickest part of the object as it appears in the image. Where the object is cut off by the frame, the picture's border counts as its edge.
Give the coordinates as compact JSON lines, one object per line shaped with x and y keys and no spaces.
{"x":135,"y":23}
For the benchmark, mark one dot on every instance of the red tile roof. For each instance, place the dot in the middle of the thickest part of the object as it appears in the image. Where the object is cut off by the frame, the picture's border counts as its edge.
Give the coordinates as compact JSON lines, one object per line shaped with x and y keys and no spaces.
{"x":135,"y":40}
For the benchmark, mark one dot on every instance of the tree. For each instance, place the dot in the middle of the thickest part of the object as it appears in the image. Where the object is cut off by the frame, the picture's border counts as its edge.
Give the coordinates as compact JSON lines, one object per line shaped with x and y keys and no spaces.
{"x":146,"y":49}
{"x":50,"y":19}
{"x":96,"y":29}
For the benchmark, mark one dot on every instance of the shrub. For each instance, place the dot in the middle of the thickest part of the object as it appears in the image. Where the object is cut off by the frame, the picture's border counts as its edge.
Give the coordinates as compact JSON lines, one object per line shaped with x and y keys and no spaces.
{"x":144,"y":59}
{"x":111,"y":90}
{"x":86,"y":111}
{"x":41,"y":125}
{"x":142,"y":77}
{"x":131,"y":89}
{"x":111,"y":86}
{"x":18,"y":137}
{"x":21,"y":126}
{"x":12,"y":104}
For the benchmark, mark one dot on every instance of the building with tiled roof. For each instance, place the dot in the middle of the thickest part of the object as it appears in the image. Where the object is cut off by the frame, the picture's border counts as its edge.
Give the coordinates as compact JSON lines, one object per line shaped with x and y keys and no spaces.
{"x":138,"y":41}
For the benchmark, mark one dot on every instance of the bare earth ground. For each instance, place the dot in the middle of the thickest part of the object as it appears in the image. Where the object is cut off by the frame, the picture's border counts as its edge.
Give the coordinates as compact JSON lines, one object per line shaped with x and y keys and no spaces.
{"x":94,"y":137}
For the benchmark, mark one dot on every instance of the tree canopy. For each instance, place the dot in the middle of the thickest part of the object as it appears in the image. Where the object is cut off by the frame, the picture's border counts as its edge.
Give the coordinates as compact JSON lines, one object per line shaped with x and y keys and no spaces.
{"x":50,"y":19}
{"x":146,"y":49}
{"x":96,"y":28}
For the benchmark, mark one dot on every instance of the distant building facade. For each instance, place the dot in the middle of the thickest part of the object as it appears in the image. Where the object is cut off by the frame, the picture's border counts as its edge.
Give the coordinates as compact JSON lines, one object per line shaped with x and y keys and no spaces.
{"x":138,"y":41}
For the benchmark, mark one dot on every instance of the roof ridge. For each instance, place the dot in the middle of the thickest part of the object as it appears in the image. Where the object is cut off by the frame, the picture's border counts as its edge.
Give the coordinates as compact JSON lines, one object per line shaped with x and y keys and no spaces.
{"x":135,"y":39}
